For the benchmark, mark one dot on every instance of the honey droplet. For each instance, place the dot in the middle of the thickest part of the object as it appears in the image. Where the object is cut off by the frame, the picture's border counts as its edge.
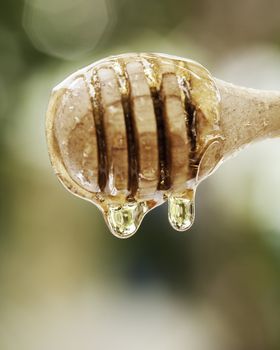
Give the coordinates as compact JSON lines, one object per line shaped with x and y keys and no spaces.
{"x":124,"y":219}
{"x":181,"y":210}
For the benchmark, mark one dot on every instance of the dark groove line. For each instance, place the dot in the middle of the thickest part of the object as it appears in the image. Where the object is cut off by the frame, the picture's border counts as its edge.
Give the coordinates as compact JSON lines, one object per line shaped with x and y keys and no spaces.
{"x":162,"y":139}
{"x":98,"y":113}
{"x":190,"y":110}
{"x":163,"y":154}
{"x":132,"y":143}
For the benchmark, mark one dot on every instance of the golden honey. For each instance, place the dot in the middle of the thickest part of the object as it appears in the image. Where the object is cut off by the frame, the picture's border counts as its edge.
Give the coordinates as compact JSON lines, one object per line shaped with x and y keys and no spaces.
{"x":129,"y":132}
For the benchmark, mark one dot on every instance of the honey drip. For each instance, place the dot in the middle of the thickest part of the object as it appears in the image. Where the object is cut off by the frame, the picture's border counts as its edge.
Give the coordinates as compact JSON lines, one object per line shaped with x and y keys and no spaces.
{"x":124,"y":219}
{"x":181,"y":210}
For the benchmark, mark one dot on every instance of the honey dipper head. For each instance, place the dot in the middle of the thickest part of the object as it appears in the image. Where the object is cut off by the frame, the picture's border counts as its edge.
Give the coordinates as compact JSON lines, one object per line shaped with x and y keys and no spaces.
{"x":131,"y":131}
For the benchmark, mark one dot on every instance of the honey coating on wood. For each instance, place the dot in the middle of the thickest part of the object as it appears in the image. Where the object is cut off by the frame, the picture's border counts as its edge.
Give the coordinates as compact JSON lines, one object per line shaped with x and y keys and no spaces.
{"x":176,"y":130}
{"x":130,"y":132}
{"x":145,"y":129}
{"x":115,"y":133}
{"x":75,"y":133}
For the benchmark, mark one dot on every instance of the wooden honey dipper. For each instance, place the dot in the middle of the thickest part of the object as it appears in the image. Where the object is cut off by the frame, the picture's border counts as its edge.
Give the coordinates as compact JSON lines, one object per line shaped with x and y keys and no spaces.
{"x":131,"y":131}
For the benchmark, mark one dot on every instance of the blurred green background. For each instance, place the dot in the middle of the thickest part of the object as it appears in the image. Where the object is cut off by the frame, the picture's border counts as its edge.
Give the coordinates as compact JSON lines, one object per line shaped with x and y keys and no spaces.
{"x":65,"y":281}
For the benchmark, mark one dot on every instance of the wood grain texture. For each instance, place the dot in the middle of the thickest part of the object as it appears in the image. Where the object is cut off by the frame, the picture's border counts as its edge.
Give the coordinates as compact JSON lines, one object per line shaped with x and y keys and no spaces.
{"x":247,"y":116}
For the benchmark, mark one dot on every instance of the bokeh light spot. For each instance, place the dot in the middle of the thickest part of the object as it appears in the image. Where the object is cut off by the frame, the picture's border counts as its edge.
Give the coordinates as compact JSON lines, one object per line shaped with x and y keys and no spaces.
{"x":65,"y":29}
